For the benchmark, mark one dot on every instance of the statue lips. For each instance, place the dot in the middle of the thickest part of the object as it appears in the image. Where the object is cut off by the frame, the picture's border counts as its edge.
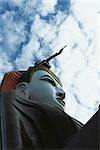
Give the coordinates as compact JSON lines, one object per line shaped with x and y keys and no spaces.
{"x":60,"y":100}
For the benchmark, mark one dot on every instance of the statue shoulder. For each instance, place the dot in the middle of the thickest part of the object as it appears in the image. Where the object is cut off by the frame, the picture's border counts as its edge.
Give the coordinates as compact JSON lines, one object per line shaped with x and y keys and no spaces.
{"x":78,"y":124}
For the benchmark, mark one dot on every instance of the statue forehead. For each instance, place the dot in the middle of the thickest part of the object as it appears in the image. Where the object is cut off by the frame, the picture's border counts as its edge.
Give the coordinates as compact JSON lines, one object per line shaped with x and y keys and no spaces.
{"x":42,"y":67}
{"x":39,"y":73}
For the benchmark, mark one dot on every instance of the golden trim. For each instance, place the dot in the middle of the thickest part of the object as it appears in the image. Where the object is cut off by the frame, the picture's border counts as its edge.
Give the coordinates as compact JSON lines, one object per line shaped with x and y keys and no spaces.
{"x":42,"y":67}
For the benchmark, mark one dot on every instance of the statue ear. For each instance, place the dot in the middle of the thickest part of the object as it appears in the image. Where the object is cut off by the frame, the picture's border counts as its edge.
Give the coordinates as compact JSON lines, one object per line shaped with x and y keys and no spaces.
{"x":23,"y":89}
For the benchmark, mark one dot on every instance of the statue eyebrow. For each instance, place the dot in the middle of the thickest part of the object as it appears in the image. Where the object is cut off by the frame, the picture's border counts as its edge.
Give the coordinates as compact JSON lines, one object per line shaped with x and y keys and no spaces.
{"x":50,"y":78}
{"x":47,"y":76}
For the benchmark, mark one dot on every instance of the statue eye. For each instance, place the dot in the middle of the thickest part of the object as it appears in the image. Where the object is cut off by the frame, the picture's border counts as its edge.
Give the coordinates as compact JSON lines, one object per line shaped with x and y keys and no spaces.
{"x":49,"y":80}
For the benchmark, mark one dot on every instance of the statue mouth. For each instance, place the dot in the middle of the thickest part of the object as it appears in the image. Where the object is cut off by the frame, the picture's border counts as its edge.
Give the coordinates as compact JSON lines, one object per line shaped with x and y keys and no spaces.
{"x":60,"y":101}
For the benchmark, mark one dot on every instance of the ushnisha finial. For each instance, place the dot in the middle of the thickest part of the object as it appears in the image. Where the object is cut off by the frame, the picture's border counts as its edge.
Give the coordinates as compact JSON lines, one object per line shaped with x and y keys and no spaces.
{"x":56,"y":54}
{"x":46,"y":62}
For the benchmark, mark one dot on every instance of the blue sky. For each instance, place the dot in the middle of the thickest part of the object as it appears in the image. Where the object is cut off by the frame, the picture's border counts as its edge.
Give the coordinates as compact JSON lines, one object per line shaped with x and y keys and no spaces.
{"x":32,"y":30}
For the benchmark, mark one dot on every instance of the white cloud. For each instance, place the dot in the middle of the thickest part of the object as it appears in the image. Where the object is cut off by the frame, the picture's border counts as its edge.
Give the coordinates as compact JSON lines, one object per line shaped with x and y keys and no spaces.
{"x":47,"y":6}
{"x":5,"y":64}
{"x":13,"y":32}
{"x":86,"y":12}
{"x":17,"y":2}
{"x":98,"y":43}
{"x":87,"y":91}
{"x":78,"y":111}
{"x":27,"y":54}
{"x":40,"y":27}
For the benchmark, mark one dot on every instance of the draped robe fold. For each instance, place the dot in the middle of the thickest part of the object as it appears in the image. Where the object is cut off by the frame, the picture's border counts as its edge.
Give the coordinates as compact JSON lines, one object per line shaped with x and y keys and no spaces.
{"x":27,"y":124}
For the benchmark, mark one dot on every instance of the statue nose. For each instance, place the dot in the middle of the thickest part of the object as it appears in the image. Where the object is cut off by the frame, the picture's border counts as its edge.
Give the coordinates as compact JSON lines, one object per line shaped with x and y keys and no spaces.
{"x":61,"y":94}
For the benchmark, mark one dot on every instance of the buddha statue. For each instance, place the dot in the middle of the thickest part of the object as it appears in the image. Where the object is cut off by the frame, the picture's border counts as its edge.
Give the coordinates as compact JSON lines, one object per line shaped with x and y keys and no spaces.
{"x":32,"y":111}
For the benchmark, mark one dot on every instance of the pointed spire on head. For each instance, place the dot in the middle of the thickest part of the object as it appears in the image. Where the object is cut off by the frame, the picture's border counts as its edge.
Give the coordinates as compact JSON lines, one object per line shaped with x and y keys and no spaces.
{"x":56,"y":54}
{"x":46,"y":62}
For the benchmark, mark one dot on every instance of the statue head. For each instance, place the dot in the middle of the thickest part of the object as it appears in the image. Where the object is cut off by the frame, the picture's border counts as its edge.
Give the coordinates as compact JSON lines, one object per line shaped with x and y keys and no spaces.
{"x":40,"y":84}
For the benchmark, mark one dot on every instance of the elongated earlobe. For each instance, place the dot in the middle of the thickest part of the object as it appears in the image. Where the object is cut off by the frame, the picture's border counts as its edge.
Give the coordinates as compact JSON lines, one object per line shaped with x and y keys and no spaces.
{"x":23,"y":89}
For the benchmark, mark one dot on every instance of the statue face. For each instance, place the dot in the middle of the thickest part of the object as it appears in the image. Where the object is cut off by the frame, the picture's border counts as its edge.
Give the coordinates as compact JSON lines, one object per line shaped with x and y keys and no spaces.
{"x":44,"y":89}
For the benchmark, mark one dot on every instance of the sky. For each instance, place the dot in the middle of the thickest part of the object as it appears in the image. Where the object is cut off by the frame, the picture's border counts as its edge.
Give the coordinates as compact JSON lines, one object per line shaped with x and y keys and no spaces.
{"x":32,"y":30}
